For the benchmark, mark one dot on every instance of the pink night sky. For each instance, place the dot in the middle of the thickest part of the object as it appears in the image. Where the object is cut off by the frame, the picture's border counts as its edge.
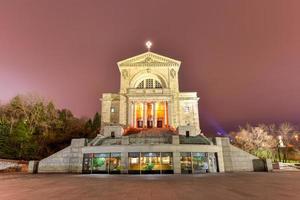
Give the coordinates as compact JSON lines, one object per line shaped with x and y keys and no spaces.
{"x":242,"y":57}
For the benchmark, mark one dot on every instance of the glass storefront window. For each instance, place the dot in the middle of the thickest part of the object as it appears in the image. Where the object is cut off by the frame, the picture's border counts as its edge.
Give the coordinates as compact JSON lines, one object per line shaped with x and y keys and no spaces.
{"x":138,"y":163}
{"x":87,"y":163}
{"x":166,"y":163}
{"x":200,"y":162}
{"x":212,"y":162}
{"x":115,"y":163}
{"x":134,"y":163}
{"x":100,"y":163}
{"x":186,"y":163}
{"x":150,"y":163}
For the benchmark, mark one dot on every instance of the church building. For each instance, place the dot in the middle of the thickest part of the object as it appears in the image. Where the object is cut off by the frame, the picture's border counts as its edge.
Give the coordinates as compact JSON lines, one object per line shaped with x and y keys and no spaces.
{"x":148,"y":127}
{"x":149,"y":96}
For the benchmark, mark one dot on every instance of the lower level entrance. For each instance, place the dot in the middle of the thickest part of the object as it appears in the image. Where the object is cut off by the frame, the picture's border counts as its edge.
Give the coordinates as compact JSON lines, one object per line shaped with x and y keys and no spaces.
{"x":150,"y":163}
{"x":197,"y":162}
{"x":102,"y":163}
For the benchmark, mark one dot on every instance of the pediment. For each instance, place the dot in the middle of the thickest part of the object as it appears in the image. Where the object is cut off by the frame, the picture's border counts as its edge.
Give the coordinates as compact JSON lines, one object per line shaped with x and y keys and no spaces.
{"x":149,"y":59}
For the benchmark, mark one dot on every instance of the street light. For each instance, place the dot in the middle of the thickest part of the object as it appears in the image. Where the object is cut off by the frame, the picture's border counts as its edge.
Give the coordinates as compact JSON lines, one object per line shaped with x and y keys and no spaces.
{"x":296,"y":137}
{"x":279,"y":144}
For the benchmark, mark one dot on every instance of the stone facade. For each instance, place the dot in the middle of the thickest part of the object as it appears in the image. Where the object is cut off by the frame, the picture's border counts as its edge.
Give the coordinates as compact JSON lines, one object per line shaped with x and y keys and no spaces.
{"x":234,"y":158}
{"x":228,"y":157}
{"x":150,"y":127}
{"x":68,"y":160}
{"x":150,"y":79}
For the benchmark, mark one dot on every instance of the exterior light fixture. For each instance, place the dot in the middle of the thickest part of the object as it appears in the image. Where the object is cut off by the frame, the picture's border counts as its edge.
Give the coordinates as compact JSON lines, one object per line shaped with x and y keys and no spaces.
{"x":148,"y":44}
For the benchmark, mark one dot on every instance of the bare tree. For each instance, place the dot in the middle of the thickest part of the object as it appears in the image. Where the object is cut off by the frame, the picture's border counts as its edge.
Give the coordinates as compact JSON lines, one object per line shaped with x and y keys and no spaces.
{"x":255,"y":140}
{"x":289,"y":136}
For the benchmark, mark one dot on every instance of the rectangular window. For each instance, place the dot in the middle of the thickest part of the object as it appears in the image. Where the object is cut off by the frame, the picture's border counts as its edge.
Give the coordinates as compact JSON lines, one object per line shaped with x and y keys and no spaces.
{"x":150,"y":163}
{"x":87,"y":163}
{"x":186,"y":109}
{"x":186,"y":163}
{"x":115,"y":163}
{"x":100,"y":163}
{"x":134,"y":163}
{"x":200,"y":162}
{"x":112,"y":134}
{"x":167,"y":163}
{"x":187,"y":133}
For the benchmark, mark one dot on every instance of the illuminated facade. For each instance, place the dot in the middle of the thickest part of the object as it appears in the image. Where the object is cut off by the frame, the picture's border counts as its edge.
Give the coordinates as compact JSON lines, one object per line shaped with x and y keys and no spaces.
{"x":149,"y":96}
{"x":149,"y":127}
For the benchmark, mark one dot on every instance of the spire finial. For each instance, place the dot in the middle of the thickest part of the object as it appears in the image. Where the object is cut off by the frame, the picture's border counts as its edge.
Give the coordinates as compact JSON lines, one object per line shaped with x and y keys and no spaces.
{"x":148,"y":44}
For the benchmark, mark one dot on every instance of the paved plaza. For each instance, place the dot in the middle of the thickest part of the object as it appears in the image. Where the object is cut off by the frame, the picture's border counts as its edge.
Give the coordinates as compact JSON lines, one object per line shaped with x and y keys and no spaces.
{"x":237,"y":186}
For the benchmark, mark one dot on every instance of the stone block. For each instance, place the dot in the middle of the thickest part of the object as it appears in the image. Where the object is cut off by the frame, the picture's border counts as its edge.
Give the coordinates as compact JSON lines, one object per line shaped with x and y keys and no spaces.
{"x":175,"y":139}
{"x":33,"y":166}
{"x":125,"y":140}
{"x":116,"y":130}
{"x":182,"y":130}
{"x":269,"y":165}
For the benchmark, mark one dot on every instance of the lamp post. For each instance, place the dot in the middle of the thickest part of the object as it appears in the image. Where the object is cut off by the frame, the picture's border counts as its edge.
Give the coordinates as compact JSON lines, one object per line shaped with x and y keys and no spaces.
{"x":278,"y":152}
{"x":279,"y":145}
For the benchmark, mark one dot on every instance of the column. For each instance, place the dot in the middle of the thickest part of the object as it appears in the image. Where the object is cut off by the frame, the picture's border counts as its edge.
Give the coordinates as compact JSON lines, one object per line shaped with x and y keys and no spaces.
{"x":124,"y":162}
{"x":169,"y":114}
{"x":176,"y":160}
{"x":154,"y":114}
{"x":145,"y":114}
{"x":134,"y":115}
{"x":166,"y":114}
{"x":129,"y":116}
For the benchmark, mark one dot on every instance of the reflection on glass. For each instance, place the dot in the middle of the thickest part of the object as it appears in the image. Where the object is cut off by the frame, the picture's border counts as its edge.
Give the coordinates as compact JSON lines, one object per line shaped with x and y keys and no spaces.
{"x":115,"y":163}
{"x":87,"y":163}
{"x":186,"y":163}
{"x":144,"y":163}
{"x":100,"y":163}
{"x":212,"y":162}
{"x":150,"y":163}
{"x":200,"y":162}
{"x":166,"y":162}
{"x":134,"y":163}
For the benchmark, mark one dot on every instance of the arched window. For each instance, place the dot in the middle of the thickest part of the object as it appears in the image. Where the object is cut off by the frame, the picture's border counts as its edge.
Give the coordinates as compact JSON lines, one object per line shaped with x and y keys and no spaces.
{"x":149,"y":83}
{"x":157,"y":84}
{"x":141,"y":85}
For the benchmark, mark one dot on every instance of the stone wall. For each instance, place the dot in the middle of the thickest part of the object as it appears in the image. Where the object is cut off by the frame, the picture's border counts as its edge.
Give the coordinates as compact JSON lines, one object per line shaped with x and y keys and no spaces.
{"x":58,"y":162}
{"x":76,"y":155}
{"x":188,"y":110}
{"x":118,"y":131}
{"x":7,"y":165}
{"x":234,"y":158}
{"x":66,"y":160}
{"x":229,"y":157}
{"x":110,"y":101}
{"x":191,"y":129}
{"x":33,"y":166}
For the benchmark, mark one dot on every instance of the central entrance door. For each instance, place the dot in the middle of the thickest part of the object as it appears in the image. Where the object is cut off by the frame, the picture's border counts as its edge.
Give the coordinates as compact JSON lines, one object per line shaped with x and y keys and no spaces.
{"x":149,"y":124}
{"x":150,"y":163}
{"x":186,"y":163}
{"x":139,"y":123}
{"x":159,"y":123}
